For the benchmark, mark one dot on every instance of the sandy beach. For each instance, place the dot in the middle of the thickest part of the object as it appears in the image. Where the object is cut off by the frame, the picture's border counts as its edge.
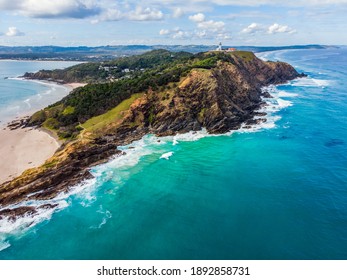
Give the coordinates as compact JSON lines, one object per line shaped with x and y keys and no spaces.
{"x":25,"y":148}
{"x":21,"y":149}
{"x":75,"y":85}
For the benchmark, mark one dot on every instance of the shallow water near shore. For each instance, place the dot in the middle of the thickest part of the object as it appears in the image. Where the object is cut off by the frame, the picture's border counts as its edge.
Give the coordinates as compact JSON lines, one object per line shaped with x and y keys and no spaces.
{"x":19,"y":97}
{"x":277,"y":191}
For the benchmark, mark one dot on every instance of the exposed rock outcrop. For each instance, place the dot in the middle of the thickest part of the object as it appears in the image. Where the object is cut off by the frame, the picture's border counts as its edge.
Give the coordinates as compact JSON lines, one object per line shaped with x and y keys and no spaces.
{"x":218,"y":99}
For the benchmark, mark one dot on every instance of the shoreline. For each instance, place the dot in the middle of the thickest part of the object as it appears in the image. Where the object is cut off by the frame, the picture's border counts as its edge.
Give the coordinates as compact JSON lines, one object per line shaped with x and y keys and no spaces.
{"x":79,"y":156}
{"x":25,"y":148}
{"x":22,"y":149}
{"x":67,"y":87}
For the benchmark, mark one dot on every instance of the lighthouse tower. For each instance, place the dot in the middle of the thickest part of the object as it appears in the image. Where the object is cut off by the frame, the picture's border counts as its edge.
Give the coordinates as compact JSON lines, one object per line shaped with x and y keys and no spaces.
{"x":219,"y":47}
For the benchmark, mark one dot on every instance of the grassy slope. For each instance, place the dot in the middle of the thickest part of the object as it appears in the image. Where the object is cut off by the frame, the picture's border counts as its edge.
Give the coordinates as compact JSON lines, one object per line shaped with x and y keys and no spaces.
{"x":96,"y":124}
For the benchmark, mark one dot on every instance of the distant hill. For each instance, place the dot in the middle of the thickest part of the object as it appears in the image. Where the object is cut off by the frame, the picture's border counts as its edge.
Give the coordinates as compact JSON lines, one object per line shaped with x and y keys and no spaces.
{"x":101,"y":53}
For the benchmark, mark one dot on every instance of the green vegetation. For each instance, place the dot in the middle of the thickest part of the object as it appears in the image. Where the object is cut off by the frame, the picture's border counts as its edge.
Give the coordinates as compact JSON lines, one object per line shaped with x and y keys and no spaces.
{"x":207,"y":63}
{"x":102,"y":101}
{"x":111,"y":116}
{"x":51,"y":124}
{"x":68,"y":110}
{"x":247,"y":56}
{"x":111,"y":70}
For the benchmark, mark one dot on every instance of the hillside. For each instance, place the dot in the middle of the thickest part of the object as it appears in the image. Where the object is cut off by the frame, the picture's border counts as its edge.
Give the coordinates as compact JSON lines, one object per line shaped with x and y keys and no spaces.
{"x":174,"y":93}
{"x":102,"y":53}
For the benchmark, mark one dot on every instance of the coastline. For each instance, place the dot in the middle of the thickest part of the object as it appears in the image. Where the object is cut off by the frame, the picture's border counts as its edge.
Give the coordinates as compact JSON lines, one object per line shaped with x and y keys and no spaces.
{"x":22,"y":149}
{"x":75,"y":168}
{"x":25,"y":148}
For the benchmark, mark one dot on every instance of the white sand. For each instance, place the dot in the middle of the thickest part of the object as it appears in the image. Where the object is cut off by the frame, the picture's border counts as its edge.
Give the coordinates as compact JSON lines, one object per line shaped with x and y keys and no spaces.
{"x":75,"y":85}
{"x":21,"y":149}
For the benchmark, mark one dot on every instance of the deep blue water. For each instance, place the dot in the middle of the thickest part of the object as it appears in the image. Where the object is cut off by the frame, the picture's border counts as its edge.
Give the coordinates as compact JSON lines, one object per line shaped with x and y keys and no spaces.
{"x":276,"y":192}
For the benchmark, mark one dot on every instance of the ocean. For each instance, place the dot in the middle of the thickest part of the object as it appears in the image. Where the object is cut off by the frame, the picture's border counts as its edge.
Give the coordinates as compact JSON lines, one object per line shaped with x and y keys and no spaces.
{"x":18,"y":97}
{"x":276,"y":191}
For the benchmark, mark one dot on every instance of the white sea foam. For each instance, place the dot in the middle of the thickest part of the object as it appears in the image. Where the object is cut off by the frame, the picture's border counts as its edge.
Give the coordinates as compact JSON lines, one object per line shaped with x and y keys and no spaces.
{"x":106,"y":215}
{"x":282,"y":93}
{"x":118,"y":168}
{"x":4,"y":244}
{"x":27,"y":102}
{"x":23,"y":224}
{"x":166,"y":155}
{"x":271,"y":108}
{"x":310,"y":82}
{"x":189,"y":136}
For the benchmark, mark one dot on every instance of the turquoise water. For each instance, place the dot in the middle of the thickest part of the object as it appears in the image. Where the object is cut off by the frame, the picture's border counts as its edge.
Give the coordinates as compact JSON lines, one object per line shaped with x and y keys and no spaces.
{"x":278,"y":191}
{"x":18,"y":97}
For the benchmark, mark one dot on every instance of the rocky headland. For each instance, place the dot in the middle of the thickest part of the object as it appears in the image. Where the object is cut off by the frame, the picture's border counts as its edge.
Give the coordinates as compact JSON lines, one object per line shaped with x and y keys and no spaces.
{"x":218,"y":92}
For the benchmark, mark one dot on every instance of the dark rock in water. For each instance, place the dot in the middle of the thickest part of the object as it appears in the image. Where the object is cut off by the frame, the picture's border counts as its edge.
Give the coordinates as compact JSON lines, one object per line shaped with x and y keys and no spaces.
{"x":255,"y":121}
{"x":334,"y":142}
{"x":48,"y":206}
{"x":266,"y":94}
{"x":220,"y":99}
{"x":13,"y":214}
{"x":260,"y":114}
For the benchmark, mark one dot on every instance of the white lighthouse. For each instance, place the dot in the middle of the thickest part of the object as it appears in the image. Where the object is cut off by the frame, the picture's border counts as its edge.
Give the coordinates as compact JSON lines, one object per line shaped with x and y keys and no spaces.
{"x":219,"y":47}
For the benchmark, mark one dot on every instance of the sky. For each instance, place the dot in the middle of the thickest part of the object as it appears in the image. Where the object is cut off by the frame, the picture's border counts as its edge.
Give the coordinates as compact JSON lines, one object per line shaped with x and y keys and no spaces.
{"x":172,"y":22}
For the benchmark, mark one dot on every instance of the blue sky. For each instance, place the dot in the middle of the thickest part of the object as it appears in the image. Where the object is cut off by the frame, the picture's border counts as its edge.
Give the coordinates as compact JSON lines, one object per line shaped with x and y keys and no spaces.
{"x":111,"y":22}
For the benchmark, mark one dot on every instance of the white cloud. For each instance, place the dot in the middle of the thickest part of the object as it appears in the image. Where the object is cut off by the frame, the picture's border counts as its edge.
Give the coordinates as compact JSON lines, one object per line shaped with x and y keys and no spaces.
{"x":208,"y":29}
{"x":13,"y":31}
{"x":180,"y":34}
{"x":202,"y":23}
{"x":52,"y":9}
{"x":201,"y":34}
{"x":144,"y":14}
{"x":177,"y":13}
{"x":164,"y":32}
{"x":175,"y":33}
{"x":297,"y":3}
{"x":110,"y":15}
{"x":277,"y":28}
{"x":89,"y":8}
{"x":197,"y":17}
{"x":212,"y":25}
{"x":252,"y":28}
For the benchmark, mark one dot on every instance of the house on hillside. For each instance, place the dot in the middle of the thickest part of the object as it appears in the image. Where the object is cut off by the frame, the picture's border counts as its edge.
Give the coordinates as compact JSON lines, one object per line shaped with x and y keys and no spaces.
{"x":231,"y":49}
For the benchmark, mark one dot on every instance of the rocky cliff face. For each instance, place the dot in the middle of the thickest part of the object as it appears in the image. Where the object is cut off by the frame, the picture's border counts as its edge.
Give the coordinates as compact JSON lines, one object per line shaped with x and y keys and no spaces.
{"x":219,"y":99}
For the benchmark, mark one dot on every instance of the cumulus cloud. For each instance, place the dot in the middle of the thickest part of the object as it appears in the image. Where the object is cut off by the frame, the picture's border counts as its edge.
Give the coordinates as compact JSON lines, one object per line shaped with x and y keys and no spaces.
{"x":212,"y":25}
{"x":164,"y":32}
{"x":252,"y":28}
{"x":202,"y":23}
{"x":13,"y":32}
{"x":89,"y":8}
{"x":110,"y":15}
{"x":277,"y":28}
{"x":297,"y":3}
{"x":177,"y":13}
{"x":272,"y":29}
{"x":101,"y":10}
{"x":143,"y":14}
{"x":180,"y":34}
{"x":208,"y":29}
{"x":52,"y":9}
{"x":176,"y":33}
{"x":197,"y":17}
